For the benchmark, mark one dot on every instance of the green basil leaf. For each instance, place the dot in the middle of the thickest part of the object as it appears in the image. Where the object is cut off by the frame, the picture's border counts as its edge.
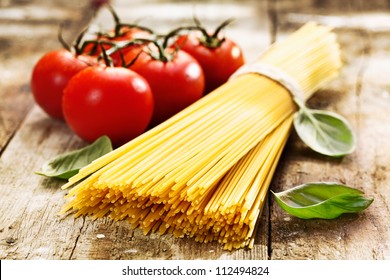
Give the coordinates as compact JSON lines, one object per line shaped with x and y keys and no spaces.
{"x":322,"y":200}
{"x":325,"y":132}
{"x":66,"y":165}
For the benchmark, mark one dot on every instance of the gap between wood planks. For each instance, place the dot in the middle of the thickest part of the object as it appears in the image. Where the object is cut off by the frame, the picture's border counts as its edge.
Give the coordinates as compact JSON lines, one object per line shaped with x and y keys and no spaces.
{"x":350,"y":232}
{"x":83,"y":232}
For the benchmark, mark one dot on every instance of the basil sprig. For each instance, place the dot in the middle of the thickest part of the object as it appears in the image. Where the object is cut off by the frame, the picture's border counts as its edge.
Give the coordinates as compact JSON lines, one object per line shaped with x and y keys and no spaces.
{"x":324,"y":132}
{"x":66,"y":165}
{"x":321,"y":200}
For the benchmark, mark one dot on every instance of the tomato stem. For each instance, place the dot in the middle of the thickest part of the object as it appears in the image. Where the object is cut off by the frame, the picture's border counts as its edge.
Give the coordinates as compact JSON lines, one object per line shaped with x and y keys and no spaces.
{"x":117,"y":47}
{"x":161,"y":54}
{"x":132,"y":61}
{"x":75,"y":48}
{"x":175,"y":32}
{"x":119,"y":25}
{"x":107,"y":58}
{"x":61,"y":38}
{"x":77,"y":42}
{"x":93,"y":50}
{"x":212,"y":41}
{"x":134,"y":25}
{"x":115,"y":16}
{"x":222,"y":26}
{"x":209,"y":41}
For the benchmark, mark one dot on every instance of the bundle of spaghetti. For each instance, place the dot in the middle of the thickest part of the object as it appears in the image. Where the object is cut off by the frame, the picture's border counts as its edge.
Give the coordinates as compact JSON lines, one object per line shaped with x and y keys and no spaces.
{"x":205,"y":172}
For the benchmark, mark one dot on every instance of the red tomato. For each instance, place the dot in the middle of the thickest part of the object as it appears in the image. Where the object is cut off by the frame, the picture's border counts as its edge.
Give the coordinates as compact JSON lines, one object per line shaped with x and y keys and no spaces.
{"x":111,"y":101}
{"x":129,"y":33}
{"x":50,"y":76}
{"x":218,"y":63}
{"x":126,"y":34}
{"x":175,"y":83}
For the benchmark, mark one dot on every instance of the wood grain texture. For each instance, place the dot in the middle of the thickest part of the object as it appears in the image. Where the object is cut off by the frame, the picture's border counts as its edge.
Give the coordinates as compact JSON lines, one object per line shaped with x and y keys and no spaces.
{"x":30,"y":227}
{"x":27,"y":31}
{"x":120,"y":241}
{"x":360,"y":94}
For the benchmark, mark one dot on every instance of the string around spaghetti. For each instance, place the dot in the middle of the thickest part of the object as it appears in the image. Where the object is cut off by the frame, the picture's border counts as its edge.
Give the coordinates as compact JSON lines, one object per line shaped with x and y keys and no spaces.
{"x":274,"y":73}
{"x":205,"y":172}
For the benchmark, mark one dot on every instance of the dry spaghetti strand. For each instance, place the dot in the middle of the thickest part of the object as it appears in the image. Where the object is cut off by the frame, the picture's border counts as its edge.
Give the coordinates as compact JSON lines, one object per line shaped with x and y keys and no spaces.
{"x":205,"y":172}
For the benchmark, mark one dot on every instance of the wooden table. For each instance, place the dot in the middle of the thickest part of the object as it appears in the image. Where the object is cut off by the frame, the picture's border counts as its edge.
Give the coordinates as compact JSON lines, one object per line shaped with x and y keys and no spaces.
{"x":30,"y":227}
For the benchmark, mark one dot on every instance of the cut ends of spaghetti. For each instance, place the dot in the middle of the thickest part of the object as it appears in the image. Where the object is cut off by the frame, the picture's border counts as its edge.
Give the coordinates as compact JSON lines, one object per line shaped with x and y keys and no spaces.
{"x":205,"y":172}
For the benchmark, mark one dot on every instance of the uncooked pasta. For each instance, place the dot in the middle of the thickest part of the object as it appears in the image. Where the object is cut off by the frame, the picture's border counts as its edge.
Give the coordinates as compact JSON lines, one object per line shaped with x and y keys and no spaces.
{"x":205,"y":172}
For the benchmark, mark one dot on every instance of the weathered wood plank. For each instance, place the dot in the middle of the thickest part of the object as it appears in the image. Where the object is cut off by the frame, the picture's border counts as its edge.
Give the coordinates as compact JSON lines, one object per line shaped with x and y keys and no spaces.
{"x":119,"y":241}
{"x":26,"y":32}
{"x":28,"y":203}
{"x":361,"y":95}
{"x":30,"y":227}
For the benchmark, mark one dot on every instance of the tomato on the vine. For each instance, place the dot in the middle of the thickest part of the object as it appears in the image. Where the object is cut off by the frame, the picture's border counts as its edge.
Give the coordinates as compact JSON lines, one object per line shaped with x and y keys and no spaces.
{"x":51,"y":74}
{"x":126,"y":35}
{"x":112,"y":101}
{"x":122,"y":32}
{"x":175,"y":77}
{"x":219,"y":56}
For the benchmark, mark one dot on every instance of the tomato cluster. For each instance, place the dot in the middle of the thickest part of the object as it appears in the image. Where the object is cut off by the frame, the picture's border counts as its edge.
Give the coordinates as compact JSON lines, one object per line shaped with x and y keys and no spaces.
{"x":130,"y":79}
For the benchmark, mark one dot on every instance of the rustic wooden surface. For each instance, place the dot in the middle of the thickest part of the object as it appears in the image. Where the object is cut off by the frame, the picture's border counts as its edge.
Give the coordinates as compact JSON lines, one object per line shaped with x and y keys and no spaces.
{"x":29,"y":225}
